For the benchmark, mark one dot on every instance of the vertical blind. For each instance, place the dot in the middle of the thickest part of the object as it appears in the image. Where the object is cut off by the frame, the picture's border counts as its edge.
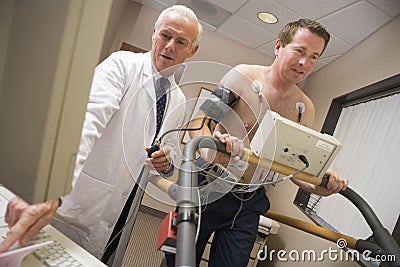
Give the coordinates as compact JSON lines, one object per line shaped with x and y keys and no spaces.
{"x":369,"y":159}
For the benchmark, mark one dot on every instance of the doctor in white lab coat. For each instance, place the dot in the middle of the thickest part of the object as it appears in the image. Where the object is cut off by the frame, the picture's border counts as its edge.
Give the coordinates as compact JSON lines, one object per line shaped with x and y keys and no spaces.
{"x":112,"y":150}
{"x":120,"y":123}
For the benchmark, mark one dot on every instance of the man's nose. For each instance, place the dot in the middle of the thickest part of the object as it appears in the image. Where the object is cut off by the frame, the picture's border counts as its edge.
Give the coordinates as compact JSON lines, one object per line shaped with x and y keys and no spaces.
{"x":170,"y":45}
{"x":303,"y":60}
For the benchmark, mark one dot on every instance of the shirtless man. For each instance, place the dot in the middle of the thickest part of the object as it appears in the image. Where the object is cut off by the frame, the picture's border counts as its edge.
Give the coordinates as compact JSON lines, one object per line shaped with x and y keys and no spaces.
{"x":234,"y":217}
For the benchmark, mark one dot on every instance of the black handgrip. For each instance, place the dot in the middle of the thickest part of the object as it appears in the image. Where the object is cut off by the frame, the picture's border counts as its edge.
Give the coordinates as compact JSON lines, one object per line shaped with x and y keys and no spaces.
{"x":213,"y":143}
{"x":152,"y":149}
{"x":324,"y":182}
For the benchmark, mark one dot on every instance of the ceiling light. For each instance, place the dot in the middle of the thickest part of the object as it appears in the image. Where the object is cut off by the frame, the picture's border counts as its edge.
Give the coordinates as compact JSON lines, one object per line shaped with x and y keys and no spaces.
{"x":267,"y":17}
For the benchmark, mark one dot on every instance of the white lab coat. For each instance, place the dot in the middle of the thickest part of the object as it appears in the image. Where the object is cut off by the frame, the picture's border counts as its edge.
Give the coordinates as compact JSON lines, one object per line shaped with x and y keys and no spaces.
{"x":120,"y":122}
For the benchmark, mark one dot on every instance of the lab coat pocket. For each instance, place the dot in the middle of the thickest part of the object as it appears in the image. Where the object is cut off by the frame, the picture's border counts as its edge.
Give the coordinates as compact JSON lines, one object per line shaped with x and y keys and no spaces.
{"x":83,"y":208}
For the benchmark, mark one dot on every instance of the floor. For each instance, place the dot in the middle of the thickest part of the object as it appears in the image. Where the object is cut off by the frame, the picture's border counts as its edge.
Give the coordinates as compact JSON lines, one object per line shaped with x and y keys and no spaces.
{"x":141,"y":251}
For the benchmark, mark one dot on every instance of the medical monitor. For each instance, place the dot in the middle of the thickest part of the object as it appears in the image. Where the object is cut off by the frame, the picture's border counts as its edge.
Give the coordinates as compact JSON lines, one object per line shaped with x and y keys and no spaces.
{"x":48,"y":53}
{"x":283,"y":140}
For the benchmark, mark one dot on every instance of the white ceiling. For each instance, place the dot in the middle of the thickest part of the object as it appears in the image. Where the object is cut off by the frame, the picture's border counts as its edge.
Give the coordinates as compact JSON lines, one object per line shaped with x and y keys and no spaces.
{"x":348,"y":21}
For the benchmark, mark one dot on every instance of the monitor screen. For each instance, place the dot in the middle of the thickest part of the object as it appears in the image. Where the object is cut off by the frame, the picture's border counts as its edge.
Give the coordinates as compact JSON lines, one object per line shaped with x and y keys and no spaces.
{"x":47,"y":59}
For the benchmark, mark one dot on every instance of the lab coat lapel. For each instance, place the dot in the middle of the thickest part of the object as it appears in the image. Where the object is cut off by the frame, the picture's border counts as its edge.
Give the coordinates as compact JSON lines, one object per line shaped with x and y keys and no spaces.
{"x":148,"y":87}
{"x":148,"y":81}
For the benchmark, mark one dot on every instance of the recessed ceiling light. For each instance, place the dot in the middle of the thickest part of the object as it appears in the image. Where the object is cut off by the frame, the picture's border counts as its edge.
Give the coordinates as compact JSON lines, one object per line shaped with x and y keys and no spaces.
{"x":267,"y":17}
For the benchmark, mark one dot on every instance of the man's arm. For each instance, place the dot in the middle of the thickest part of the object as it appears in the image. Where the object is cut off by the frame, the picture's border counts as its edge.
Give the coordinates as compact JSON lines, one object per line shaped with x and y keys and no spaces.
{"x":234,"y":146}
{"x":239,"y":83}
{"x":335,"y":184}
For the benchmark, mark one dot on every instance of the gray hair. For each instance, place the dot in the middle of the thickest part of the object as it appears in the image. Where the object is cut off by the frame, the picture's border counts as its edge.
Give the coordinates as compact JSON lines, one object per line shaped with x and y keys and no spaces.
{"x":187,"y":13}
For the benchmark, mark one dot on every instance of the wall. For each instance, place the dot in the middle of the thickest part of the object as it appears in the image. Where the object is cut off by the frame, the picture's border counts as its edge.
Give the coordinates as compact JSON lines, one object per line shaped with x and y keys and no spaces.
{"x":375,"y":59}
{"x":118,"y":7}
{"x":6,"y":13}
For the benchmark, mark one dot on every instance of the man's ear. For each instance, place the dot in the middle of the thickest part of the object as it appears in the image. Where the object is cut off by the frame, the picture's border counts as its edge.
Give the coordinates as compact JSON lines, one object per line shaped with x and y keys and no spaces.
{"x":194,"y":50}
{"x":153,"y":35}
{"x":277,"y":46}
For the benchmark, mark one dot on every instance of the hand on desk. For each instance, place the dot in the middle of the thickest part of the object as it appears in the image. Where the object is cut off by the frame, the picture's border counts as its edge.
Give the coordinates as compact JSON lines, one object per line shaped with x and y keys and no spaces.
{"x":25,"y":221}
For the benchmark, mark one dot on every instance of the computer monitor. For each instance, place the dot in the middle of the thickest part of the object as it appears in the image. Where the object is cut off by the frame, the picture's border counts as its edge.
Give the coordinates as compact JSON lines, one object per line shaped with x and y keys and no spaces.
{"x":48,"y":53}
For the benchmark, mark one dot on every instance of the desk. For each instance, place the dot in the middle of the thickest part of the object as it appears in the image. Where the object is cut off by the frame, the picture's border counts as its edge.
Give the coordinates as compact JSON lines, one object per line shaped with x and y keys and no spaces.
{"x":81,"y":255}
